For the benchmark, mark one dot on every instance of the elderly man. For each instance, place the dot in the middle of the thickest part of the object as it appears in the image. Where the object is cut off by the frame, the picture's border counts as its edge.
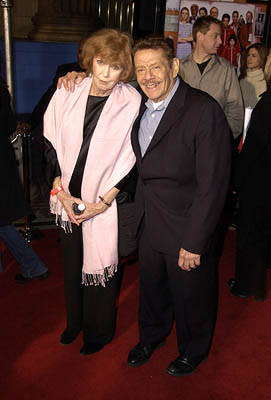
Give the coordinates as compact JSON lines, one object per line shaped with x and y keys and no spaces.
{"x":194,"y":13}
{"x":182,"y":145}
{"x":204,"y":69}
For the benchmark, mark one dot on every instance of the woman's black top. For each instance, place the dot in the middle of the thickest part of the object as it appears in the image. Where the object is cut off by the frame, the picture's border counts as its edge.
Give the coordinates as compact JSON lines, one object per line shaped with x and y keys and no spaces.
{"x":94,"y":109}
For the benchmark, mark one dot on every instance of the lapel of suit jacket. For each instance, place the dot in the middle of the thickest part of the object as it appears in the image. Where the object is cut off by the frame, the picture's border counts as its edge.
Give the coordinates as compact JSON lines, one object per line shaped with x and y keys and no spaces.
{"x":172,"y":112}
{"x":135,"y":130}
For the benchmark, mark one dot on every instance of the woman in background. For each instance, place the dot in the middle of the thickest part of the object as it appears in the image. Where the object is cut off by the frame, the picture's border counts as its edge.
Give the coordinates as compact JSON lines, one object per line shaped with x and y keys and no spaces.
{"x":252,"y":79}
{"x":184,"y":46}
{"x":203,"y":11}
{"x":252,"y":179}
{"x":89,"y":149}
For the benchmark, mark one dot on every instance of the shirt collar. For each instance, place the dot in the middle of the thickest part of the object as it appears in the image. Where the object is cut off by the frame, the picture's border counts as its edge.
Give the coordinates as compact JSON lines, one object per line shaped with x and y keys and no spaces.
{"x":165,"y":103}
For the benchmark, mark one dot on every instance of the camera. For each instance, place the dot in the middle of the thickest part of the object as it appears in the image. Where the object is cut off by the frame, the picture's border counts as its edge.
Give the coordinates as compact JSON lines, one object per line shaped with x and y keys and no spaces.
{"x":78,"y":209}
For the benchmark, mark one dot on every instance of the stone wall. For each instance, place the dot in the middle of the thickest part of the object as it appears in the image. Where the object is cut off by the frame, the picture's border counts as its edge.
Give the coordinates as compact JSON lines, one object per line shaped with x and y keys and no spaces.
{"x":69,"y":20}
{"x":22,"y":13}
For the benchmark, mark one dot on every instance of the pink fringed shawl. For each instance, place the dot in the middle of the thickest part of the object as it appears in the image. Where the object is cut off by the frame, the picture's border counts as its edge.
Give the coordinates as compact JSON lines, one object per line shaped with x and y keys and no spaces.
{"x":110,"y":158}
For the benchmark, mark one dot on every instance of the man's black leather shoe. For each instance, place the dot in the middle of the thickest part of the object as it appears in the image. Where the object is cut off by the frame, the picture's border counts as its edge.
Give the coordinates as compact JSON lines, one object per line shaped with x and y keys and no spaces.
{"x":19,"y":278}
{"x":238,"y":293}
{"x":141,"y":354}
{"x":234,"y":289}
{"x":90,"y":348}
{"x":67,"y":338}
{"x":183,"y":366}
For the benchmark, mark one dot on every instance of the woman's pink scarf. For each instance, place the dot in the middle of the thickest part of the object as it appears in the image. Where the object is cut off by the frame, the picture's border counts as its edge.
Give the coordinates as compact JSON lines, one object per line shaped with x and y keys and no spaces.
{"x":110,"y":158}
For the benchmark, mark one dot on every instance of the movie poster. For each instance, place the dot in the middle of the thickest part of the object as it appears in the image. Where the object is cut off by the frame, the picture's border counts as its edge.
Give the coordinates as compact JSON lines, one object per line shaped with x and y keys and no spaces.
{"x":177,"y":31}
{"x":259,"y":22}
{"x":172,"y":20}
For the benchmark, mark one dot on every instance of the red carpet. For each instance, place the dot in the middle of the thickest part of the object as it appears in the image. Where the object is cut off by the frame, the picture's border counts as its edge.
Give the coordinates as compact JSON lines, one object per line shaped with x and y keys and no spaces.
{"x":35,"y":366}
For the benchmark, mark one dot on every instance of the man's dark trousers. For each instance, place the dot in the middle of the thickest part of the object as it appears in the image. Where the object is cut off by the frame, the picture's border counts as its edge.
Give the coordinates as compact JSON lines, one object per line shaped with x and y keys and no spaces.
{"x":168,"y":292}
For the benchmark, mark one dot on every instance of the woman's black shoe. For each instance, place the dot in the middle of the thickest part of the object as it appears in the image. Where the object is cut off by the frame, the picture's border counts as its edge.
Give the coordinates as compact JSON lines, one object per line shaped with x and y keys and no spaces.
{"x":90,"y":348}
{"x":67,"y":338}
{"x":236,"y":293}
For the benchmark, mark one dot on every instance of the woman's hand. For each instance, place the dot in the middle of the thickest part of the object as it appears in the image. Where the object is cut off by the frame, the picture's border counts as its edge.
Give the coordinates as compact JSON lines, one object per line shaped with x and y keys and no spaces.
{"x":91,"y":210}
{"x":67,"y":201}
{"x":70,"y":80}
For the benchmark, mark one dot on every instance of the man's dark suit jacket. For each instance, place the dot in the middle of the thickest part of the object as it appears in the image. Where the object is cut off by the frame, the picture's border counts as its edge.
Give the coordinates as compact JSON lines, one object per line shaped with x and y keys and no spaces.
{"x":184,"y":174}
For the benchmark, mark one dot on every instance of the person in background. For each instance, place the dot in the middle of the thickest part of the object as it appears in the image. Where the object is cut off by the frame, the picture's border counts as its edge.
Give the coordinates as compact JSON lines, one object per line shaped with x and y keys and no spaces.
{"x":246,"y":31}
{"x":90,"y":155}
{"x":226,"y":32}
{"x":252,"y":78}
{"x":184,"y":46}
{"x":13,"y":205}
{"x":259,"y":25}
{"x":204,"y":70}
{"x":252,"y":84}
{"x":194,"y":13}
{"x":252,"y":175}
{"x":203,"y":11}
{"x":231,"y":51}
{"x":241,"y":20}
{"x":235,"y":23}
{"x":214,"y":12}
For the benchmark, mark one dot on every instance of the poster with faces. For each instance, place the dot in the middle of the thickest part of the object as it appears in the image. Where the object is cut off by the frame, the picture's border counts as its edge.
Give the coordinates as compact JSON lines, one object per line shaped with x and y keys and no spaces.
{"x":223,"y":7}
{"x":198,"y":7}
{"x":259,"y":22}
{"x":172,"y":20}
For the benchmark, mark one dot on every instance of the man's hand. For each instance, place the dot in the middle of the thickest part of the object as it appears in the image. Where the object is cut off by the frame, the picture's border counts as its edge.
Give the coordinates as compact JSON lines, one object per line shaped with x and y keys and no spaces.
{"x":70,"y":80}
{"x":187,"y":260}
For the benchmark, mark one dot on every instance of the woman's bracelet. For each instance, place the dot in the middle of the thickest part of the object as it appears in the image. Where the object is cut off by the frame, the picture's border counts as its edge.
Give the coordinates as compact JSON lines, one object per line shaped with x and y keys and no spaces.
{"x":56,"y":190}
{"x":105,"y":202}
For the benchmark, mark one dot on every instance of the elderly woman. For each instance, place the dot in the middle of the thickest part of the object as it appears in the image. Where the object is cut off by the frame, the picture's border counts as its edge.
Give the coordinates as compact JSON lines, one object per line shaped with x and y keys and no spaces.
{"x":88,"y":134}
